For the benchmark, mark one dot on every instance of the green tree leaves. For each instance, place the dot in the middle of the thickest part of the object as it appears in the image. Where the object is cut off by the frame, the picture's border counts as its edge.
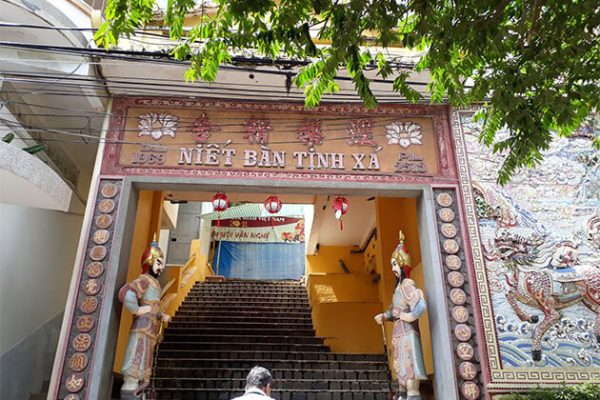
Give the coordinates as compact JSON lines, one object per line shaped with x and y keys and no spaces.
{"x":533,"y":65}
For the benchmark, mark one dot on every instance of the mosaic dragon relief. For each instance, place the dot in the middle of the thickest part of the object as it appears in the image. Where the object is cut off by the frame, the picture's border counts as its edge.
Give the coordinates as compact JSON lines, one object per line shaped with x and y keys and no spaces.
{"x":541,"y":243}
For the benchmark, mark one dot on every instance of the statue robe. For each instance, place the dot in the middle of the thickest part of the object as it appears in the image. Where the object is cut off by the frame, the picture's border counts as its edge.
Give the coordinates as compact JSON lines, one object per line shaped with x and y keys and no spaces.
{"x":406,"y":341}
{"x":142,"y":291}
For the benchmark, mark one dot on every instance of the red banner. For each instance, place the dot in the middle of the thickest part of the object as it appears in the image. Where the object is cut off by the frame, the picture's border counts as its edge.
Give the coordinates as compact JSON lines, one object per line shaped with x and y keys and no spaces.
{"x":260,"y":230}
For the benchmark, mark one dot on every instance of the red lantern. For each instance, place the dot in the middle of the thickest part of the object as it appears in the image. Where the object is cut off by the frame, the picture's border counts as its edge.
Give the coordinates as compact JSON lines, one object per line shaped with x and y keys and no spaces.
{"x":273,"y":205}
{"x":340,"y":207}
{"x":220,"y":202}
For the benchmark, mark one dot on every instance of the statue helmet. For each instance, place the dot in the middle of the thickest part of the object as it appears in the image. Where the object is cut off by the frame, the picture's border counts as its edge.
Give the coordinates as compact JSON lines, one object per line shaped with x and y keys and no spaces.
{"x":150,"y":255}
{"x":401,"y":256}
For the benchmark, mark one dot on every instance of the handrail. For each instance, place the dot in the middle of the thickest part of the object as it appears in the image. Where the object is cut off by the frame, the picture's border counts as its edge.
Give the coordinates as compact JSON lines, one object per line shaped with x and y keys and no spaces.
{"x":166,"y":302}
{"x":186,"y":276}
{"x":188,"y":263}
{"x":362,"y":248}
{"x":167,"y":286}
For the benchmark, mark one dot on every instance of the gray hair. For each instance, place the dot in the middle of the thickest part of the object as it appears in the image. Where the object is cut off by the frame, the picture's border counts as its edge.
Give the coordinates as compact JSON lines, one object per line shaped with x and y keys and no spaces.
{"x":259,"y":377}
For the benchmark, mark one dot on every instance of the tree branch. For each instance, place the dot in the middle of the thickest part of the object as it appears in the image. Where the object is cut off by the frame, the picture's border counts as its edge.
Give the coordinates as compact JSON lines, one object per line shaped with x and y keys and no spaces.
{"x":536,"y":15}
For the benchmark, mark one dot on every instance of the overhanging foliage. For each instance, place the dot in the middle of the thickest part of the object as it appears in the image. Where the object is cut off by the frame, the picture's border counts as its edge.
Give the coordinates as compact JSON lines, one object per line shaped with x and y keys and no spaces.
{"x":533,"y":65}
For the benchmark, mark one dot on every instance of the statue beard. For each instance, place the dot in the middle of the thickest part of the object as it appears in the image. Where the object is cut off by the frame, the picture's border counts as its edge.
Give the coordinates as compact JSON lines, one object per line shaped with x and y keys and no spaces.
{"x":401,"y":277}
{"x":153,"y":274}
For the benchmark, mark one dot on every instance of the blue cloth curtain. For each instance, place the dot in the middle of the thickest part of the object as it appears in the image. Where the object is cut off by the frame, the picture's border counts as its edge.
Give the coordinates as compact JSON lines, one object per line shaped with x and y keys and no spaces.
{"x":260,"y":260}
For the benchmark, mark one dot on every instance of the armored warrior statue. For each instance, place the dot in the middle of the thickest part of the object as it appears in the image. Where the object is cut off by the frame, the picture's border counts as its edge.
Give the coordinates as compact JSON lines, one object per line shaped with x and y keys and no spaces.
{"x":142,"y":298}
{"x":408,"y":304}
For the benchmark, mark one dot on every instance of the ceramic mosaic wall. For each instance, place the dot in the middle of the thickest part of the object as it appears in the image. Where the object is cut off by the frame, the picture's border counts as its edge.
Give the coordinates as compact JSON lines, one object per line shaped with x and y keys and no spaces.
{"x":540,"y":233}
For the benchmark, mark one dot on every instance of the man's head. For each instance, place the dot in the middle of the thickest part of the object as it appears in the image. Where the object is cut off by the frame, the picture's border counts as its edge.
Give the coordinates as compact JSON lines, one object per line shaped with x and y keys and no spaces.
{"x":153,"y":260}
{"x":260,"y":378}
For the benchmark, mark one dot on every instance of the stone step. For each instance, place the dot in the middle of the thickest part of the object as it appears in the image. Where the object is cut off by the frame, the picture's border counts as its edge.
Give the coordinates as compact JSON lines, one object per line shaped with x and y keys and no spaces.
{"x":237,"y":286}
{"x":266,"y":282}
{"x":248,"y":297}
{"x":168,"y":344}
{"x":223,"y":329}
{"x":192,"y":323}
{"x":303,"y":394}
{"x":271,"y":364}
{"x":261,"y":291}
{"x":242,"y":318}
{"x":224,"y":312}
{"x":229,"y":331}
{"x":258,"y":354}
{"x":217,"y":338}
{"x":278,"y":374}
{"x":248,"y":305}
{"x":281,"y":384}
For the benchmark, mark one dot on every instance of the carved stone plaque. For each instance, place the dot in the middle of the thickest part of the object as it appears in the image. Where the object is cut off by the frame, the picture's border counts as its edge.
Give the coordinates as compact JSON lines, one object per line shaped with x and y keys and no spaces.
{"x":453,"y":262}
{"x":458,"y":296}
{"x":465,"y":351}
{"x":95,"y":269}
{"x":444,"y":199}
{"x":446,"y":215}
{"x":467,"y":370}
{"x":451,"y":246}
{"x":78,"y":362}
{"x":89,"y":305}
{"x":82,"y":342}
{"x":74,"y":383}
{"x":101,"y":236}
{"x":109,"y":190}
{"x":462,"y":332}
{"x":103,"y":221}
{"x":98,"y":253}
{"x":470,"y":390}
{"x":85,"y":323}
{"x":460,"y":314}
{"x":106,"y":206}
{"x":456,"y":279}
{"x":91,"y":287}
{"x":449,"y":230}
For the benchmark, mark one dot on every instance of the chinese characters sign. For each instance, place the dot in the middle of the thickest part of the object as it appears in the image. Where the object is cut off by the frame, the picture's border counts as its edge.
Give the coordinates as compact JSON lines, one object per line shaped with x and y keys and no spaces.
{"x":217,"y":138}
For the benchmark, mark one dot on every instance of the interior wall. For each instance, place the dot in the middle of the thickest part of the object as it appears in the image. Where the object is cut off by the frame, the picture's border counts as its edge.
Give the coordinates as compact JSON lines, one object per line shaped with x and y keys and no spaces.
{"x":188,"y":228}
{"x":38,"y":250}
{"x":343,"y":304}
{"x":393,"y":215}
{"x":147,"y":224}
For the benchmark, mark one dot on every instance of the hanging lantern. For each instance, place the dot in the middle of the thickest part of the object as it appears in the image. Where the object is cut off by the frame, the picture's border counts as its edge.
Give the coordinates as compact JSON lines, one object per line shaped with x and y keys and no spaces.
{"x":273,"y":206}
{"x":220,"y":203}
{"x":340,"y":207}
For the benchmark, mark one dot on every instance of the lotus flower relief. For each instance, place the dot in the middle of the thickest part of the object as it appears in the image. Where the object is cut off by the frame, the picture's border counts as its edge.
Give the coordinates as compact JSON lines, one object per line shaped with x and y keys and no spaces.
{"x":157,"y":125}
{"x":404,"y":134}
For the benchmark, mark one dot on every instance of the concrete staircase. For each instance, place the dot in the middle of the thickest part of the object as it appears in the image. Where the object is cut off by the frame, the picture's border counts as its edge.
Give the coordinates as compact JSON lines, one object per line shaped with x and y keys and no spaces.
{"x":225,"y":328}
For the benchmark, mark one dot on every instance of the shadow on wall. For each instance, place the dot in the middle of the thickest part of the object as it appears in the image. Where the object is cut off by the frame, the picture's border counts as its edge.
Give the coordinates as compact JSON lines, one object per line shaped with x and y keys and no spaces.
{"x":25,"y":368}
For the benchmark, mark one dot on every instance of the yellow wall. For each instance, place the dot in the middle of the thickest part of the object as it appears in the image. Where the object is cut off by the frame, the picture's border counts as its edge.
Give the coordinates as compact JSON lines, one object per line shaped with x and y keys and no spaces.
{"x":393,"y":215}
{"x":147,"y":225}
{"x":184,"y":277}
{"x":343,"y":304}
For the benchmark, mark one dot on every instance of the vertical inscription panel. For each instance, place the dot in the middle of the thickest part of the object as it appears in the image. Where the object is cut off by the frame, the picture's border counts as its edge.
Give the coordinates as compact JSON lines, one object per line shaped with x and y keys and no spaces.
{"x":458,"y":294}
{"x":90,"y":293}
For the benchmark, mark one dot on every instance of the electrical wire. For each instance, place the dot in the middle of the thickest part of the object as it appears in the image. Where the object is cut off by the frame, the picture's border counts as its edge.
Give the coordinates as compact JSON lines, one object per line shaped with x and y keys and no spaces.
{"x":165,"y":57}
{"x":487,"y":181}
{"x":326,"y":138}
{"x":68,"y":28}
{"x":168,"y":40}
{"x":177,"y":82}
